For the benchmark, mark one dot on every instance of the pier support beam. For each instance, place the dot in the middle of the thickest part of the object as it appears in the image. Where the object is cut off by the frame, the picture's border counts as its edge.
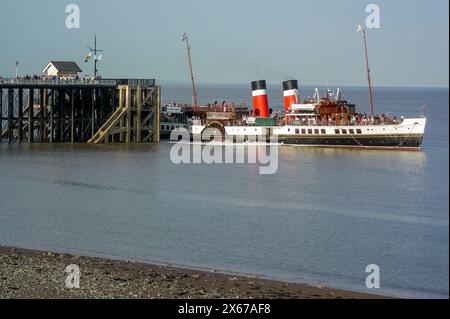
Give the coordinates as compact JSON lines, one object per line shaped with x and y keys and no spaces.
{"x":72,"y":115}
{"x":1,"y":112}
{"x":122,"y":104}
{"x":93,"y":112}
{"x":10,"y":115}
{"x":157,"y":122}
{"x":41,"y":116}
{"x":30,"y":116}
{"x":61,"y":100}
{"x":128,"y":120}
{"x":138,"y":122}
{"x":52,"y":106}
{"x":20,"y":116}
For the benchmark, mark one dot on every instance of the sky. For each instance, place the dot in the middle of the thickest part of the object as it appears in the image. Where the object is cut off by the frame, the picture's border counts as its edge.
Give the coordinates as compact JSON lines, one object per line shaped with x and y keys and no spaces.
{"x":234,"y":41}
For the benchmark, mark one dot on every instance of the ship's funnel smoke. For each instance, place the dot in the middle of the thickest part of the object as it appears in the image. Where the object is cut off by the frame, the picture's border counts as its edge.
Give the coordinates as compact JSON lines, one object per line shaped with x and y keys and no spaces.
{"x":260,"y":100}
{"x":290,"y":93}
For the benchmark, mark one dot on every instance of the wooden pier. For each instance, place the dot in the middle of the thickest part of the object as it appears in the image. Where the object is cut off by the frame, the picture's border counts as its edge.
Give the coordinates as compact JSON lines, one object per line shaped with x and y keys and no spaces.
{"x":79,"y":111}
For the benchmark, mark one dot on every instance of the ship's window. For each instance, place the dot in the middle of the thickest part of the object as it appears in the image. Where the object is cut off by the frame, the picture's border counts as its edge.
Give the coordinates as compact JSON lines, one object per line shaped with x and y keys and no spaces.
{"x":303,"y":131}
{"x":358,"y":131}
{"x":336,"y":131}
{"x":344,"y":131}
{"x":316,"y":131}
{"x":309,"y":131}
{"x":289,"y":129}
{"x":352,"y":131}
{"x":297,"y":131}
{"x":322,"y":131}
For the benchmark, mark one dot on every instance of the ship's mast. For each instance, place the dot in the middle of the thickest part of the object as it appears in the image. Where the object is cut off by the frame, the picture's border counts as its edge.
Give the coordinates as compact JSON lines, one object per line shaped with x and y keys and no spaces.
{"x":367,"y":67}
{"x":194,"y":92}
{"x":317,"y":96}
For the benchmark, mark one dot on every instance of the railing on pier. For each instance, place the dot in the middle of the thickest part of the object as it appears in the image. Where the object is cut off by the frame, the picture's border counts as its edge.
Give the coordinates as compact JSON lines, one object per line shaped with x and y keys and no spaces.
{"x":135,"y":82}
{"x":78,"y":82}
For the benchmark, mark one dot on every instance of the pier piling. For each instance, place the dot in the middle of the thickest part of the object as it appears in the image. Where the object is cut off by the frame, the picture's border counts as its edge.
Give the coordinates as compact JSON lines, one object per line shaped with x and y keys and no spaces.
{"x":100,"y":111}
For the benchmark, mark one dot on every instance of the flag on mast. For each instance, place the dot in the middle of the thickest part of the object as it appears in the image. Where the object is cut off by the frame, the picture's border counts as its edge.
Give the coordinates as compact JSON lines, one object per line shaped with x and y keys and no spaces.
{"x":359,"y":28}
{"x":88,"y":57}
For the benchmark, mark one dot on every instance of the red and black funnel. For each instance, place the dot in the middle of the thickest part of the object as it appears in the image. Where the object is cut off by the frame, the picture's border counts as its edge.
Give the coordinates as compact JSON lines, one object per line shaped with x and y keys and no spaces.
{"x":290,"y":93}
{"x":260,"y":100}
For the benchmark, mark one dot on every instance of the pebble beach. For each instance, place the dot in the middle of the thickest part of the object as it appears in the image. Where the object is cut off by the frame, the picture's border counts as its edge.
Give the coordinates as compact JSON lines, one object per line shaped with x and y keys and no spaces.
{"x":41,"y":275}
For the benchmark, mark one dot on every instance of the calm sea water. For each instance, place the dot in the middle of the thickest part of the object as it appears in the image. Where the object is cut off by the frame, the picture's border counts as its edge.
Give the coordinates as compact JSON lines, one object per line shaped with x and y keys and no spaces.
{"x":320,"y":219}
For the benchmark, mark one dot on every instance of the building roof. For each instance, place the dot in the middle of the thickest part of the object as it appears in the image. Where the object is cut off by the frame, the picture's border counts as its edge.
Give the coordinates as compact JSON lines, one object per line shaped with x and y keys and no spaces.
{"x":64,"y":66}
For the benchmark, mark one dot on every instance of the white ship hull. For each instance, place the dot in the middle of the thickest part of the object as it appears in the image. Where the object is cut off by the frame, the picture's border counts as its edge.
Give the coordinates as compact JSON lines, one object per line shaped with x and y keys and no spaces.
{"x":407,"y":135}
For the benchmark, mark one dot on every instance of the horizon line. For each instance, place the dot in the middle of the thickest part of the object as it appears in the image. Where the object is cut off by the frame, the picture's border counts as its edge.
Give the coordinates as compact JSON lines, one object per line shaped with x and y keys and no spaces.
{"x":188,"y":83}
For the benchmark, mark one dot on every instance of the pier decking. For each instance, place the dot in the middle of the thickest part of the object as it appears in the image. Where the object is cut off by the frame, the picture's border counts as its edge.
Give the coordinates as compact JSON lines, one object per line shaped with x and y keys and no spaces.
{"x":79,"y":111}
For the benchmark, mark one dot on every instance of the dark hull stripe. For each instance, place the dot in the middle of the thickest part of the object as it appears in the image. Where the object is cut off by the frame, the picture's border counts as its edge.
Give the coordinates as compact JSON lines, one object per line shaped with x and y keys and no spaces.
{"x":410,"y":142}
{"x":359,"y":141}
{"x":403,"y":148}
{"x":359,"y":136}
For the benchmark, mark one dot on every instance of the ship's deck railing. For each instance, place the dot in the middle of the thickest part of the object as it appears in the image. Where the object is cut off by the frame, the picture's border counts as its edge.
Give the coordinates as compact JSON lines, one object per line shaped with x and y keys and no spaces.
{"x":318,"y":123}
{"x":281,"y":122}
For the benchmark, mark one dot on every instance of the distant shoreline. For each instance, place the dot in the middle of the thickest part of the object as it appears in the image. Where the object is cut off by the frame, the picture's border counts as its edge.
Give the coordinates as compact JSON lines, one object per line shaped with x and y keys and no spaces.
{"x":26,"y":273}
{"x":274,"y":84}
